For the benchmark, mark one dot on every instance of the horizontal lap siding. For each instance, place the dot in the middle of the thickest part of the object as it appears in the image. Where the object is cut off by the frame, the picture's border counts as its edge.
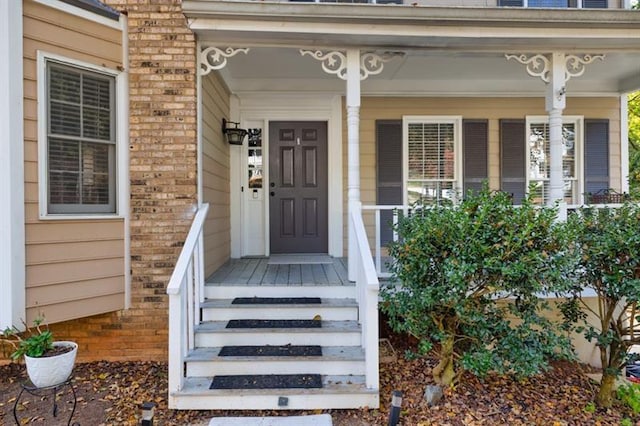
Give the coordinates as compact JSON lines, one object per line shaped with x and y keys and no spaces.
{"x":216,"y":183}
{"x":73,"y":268}
{"x":490,"y":109}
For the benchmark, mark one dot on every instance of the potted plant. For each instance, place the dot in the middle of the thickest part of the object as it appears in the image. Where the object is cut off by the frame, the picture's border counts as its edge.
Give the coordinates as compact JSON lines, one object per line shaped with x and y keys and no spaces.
{"x":48,"y":363}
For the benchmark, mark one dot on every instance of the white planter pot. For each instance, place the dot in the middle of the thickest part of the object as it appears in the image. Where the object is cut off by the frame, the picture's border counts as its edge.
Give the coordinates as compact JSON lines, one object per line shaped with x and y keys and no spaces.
{"x":53,"y":370}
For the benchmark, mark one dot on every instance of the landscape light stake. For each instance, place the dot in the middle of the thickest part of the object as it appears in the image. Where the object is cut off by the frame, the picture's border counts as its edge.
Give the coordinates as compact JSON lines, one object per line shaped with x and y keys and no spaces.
{"x":396,"y":402}
{"x":147,"y":413}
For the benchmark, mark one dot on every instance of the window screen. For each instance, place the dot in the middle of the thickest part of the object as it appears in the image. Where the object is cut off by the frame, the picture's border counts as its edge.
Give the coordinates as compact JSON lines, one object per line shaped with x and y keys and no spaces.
{"x":431,"y":162}
{"x":80,"y":141}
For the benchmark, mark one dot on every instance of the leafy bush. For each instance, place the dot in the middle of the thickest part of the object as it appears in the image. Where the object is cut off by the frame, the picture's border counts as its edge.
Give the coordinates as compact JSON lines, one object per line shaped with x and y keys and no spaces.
{"x":469,"y":279}
{"x":629,"y":395}
{"x":609,"y":249}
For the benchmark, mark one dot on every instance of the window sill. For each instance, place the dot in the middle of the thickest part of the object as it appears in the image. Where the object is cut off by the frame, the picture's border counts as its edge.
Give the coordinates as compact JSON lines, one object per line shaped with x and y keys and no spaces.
{"x":54,"y":217}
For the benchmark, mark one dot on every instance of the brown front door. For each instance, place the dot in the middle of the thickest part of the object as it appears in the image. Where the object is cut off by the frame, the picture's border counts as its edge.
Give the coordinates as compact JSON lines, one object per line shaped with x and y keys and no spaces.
{"x":298,"y":187}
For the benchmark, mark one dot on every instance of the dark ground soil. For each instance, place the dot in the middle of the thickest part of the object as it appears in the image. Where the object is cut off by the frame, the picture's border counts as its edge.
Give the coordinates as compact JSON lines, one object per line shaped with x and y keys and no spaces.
{"x":109,"y":393}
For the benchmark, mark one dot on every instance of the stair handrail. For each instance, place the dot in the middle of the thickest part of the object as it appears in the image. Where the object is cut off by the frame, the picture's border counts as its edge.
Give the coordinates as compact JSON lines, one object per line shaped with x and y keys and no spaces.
{"x":367,"y":289}
{"x":185,"y":290}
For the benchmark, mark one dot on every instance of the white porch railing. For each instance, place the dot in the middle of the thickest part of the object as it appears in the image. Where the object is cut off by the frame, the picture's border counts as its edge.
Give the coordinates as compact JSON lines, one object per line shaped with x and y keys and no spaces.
{"x":377,"y":247}
{"x":367,"y":288}
{"x":186,"y":292}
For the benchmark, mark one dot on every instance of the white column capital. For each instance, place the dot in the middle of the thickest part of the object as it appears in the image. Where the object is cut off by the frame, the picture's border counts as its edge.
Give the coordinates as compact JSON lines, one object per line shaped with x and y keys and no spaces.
{"x":214,"y":58}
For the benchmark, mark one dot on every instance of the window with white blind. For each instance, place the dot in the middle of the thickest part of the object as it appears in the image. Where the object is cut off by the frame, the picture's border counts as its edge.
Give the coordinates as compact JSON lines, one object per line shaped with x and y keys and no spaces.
{"x":537,"y":158}
{"x":81,"y":140}
{"x":432,"y":166}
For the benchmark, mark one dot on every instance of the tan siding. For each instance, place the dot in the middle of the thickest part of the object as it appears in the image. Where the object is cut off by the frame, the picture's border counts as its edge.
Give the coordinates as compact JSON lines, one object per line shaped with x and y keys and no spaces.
{"x":74,"y":268}
{"x":72,"y":309}
{"x":217,"y":231}
{"x":492,"y":109}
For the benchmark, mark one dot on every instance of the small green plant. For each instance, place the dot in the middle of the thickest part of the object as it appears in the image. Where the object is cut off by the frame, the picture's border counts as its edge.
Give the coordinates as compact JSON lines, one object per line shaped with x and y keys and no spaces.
{"x":629,"y":395}
{"x":590,"y":408}
{"x":626,"y":422}
{"x":34,"y":341}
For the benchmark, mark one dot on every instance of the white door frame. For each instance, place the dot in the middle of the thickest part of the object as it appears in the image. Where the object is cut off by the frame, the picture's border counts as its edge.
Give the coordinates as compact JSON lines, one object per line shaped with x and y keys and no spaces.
{"x":266,"y":107}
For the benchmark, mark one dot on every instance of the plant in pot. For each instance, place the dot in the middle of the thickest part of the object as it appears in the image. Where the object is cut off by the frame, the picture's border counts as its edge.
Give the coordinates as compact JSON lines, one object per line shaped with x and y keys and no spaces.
{"x":48,"y":363}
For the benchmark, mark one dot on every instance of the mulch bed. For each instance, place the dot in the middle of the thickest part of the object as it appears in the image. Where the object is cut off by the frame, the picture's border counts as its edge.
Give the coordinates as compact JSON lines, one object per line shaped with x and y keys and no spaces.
{"x":109,"y":393}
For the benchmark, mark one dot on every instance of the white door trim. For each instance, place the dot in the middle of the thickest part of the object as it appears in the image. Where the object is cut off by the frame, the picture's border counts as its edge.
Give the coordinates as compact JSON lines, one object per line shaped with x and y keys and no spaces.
{"x":267,"y":107}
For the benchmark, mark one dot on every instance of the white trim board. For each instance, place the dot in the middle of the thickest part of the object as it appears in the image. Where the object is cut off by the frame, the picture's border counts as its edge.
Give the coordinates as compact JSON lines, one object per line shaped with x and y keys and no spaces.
{"x":12,"y":231}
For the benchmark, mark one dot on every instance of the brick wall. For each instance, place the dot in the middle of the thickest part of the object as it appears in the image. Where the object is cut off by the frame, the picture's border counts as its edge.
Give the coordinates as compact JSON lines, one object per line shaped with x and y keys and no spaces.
{"x":162,"y":150}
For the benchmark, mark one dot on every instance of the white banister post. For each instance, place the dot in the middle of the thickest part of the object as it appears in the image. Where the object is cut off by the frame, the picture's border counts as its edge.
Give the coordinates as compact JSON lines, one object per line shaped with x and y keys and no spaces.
{"x":353,"y":157}
{"x":555,"y":102}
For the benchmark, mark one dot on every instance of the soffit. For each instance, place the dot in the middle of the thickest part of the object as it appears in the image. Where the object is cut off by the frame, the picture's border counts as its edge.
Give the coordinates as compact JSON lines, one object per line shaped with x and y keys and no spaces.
{"x":443,"y":48}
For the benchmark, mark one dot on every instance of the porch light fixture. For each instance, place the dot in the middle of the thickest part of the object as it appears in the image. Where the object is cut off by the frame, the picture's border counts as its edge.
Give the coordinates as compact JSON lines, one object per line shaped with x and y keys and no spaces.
{"x":235,"y":135}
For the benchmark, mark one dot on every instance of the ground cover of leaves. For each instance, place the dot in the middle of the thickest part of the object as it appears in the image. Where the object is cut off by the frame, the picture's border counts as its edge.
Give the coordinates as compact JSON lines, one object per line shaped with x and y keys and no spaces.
{"x":109,"y":393}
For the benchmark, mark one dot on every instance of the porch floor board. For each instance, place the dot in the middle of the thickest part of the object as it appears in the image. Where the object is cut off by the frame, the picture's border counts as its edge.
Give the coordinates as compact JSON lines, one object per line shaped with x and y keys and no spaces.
{"x":258,"y":272}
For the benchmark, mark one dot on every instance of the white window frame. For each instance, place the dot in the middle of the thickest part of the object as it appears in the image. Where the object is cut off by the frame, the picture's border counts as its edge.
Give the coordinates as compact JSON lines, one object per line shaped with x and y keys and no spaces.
{"x":456,"y":120}
{"x":120,"y":137}
{"x":578,"y":122}
{"x":579,"y":5}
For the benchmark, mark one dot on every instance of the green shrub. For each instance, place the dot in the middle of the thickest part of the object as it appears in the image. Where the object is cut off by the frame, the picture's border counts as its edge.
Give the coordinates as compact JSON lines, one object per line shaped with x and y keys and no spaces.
{"x":609,"y":250}
{"x":629,"y":395}
{"x":469,"y":279}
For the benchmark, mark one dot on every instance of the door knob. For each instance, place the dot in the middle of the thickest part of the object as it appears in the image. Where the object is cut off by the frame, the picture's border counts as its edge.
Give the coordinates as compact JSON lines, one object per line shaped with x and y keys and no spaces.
{"x":272,"y":184}
{"x":272,"y":193}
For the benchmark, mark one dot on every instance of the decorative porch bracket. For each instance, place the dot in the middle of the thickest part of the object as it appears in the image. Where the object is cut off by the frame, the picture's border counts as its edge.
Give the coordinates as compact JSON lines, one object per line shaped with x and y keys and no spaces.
{"x":214,"y":58}
{"x":353,"y":67}
{"x":555,"y":70}
{"x":335,"y":62}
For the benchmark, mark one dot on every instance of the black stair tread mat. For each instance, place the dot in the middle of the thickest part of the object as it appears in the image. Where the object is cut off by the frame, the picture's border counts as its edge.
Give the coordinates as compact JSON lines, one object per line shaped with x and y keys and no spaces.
{"x":254,"y":323}
{"x":276,"y":301}
{"x":285,"y":350}
{"x":267,"y":381}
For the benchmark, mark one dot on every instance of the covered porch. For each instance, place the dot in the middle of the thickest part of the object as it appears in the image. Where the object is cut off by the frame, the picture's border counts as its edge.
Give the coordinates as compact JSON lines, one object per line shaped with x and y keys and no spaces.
{"x":344,"y":99}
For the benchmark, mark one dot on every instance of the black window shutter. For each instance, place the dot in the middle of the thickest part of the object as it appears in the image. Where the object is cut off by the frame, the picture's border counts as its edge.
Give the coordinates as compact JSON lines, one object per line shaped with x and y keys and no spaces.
{"x":512,"y":158}
{"x":475,"y":151}
{"x":388,"y":172}
{"x":514,"y":3}
{"x":596,"y":155}
{"x":595,"y":4}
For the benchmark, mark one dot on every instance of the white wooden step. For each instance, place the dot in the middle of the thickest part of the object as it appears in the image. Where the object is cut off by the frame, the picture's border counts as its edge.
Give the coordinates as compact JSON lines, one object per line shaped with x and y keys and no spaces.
{"x":329,"y":309}
{"x":229,"y":291}
{"x":335,"y":360}
{"x":332,"y":333}
{"x":338,"y":392}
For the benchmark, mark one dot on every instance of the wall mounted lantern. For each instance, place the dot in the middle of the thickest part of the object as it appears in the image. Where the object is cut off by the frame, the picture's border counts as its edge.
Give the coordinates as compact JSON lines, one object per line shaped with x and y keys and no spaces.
{"x":235,"y":135}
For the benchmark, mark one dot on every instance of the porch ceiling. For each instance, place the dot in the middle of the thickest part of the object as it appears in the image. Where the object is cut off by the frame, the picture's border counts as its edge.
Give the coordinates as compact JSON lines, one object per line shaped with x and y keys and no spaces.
{"x":445,"y":51}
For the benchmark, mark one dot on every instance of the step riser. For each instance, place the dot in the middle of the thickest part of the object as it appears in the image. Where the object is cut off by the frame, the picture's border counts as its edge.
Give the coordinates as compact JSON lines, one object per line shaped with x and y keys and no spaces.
{"x":270,"y":402}
{"x":232,"y":291}
{"x":277,"y":338}
{"x":208,"y":369}
{"x":297,"y":312}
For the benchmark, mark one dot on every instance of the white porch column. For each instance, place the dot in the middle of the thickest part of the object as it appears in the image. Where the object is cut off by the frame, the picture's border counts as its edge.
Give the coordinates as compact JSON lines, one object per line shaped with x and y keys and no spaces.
{"x":12,"y":233}
{"x":352,"y":67}
{"x":555,"y":70}
{"x":554,"y":104}
{"x":353,"y":148}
